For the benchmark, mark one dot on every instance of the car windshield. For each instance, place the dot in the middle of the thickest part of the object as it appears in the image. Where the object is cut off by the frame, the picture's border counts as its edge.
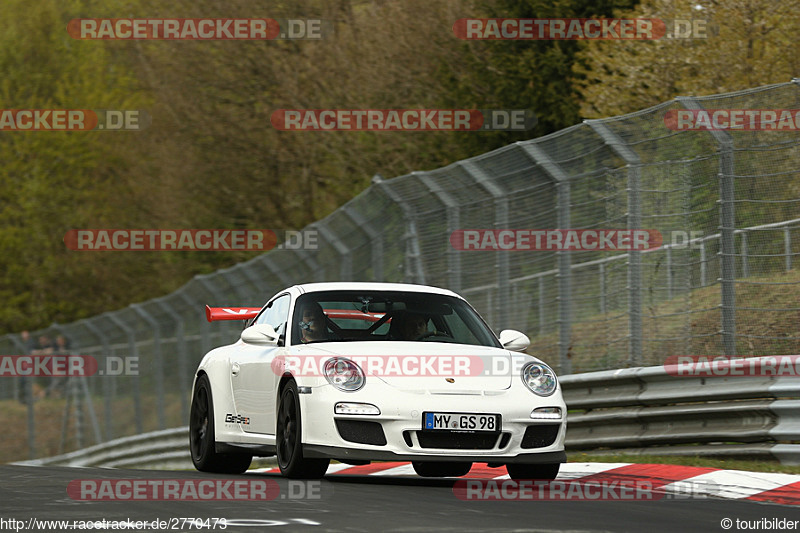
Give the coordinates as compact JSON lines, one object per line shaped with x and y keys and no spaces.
{"x":335,"y":316}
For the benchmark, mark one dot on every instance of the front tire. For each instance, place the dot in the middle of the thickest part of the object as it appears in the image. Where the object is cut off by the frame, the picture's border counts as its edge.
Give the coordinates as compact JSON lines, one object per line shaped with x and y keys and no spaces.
{"x":288,"y":437}
{"x":441,"y":469}
{"x":545,"y":472}
{"x":201,"y":436}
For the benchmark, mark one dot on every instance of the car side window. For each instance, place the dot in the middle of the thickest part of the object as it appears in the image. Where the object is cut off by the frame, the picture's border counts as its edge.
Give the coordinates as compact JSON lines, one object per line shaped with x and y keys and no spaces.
{"x":276,"y":314}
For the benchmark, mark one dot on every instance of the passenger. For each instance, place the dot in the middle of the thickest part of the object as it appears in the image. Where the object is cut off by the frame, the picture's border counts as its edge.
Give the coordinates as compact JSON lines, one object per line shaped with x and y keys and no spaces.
{"x":410,"y":326}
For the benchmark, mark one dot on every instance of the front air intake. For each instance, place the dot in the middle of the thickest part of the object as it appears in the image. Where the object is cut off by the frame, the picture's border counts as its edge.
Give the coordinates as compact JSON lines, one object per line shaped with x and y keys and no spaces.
{"x":540,"y":435}
{"x":361,"y":432}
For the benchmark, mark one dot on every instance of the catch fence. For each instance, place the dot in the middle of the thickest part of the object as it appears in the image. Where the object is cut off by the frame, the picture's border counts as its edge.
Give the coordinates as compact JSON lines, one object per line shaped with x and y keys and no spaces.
{"x":726,"y":202}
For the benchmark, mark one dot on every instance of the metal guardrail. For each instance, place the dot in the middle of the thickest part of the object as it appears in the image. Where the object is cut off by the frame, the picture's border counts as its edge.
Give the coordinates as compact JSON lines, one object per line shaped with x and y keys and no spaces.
{"x":164,"y":449}
{"x":636,"y":411}
{"x":649,"y":411}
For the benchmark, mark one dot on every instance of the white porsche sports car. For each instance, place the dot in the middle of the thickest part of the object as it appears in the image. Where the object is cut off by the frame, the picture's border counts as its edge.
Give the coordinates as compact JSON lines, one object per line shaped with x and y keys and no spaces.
{"x":361,"y":372}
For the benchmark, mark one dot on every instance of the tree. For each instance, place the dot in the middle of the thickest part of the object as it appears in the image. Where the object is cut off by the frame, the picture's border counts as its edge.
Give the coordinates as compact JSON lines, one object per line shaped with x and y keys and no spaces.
{"x":749,"y":43}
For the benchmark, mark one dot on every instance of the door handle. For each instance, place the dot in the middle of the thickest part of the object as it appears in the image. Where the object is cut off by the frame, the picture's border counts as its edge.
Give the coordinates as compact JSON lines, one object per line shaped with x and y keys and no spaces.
{"x":235,"y":369}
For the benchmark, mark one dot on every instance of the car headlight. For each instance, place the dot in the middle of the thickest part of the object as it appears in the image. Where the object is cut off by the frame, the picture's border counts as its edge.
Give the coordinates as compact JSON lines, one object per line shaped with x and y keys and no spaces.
{"x":344,"y":374}
{"x":539,"y":379}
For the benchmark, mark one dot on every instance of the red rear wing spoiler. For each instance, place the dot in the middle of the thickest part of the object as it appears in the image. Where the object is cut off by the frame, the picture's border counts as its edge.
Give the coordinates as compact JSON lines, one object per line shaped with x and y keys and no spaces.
{"x":246,"y":313}
{"x":231,"y":313}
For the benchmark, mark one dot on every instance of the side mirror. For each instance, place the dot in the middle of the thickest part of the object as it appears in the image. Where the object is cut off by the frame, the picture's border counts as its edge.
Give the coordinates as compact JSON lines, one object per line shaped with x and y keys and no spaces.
{"x":514,"y":340}
{"x":260,"y":334}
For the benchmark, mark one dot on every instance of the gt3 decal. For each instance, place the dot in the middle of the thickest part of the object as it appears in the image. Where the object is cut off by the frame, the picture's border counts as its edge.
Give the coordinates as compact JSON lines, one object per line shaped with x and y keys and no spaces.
{"x":237,"y":419}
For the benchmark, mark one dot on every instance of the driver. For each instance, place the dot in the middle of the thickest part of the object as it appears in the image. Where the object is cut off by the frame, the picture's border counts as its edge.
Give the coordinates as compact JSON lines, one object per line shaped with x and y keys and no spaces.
{"x":413,"y":327}
{"x":312,"y":323}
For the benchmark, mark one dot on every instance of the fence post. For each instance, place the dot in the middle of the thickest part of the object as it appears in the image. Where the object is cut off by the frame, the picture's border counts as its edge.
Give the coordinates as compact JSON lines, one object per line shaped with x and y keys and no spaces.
{"x":21,"y":349}
{"x":563,"y":205}
{"x":252,"y":277}
{"x":134,"y":352}
{"x":669,"y":271}
{"x":107,"y":382}
{"x":159,"y":362}
{"x":602,"y":288}
{"x":413,"y":272}
{"x":787,"y":247}
{"x":702,"y":263}
{"x":266,"y":260}
{"x":500,"y":222}
{"x":727,"y":229}
{"x":745,"y":261}
{"x":564,"y":282}
{"x":375,"y":239}
{"x":241,"y":293}
{"x":541,"y":305}
{"x":728,"y":250}
{"x":634,"y":222}
{"x":81,"y":385}
{"x":205,"y":325}
{"x":306,"y":256}
{"x":345,"y":255}
{"x":27,"y":394}
{"x":453,"y":223}
{"x":180,"y":342}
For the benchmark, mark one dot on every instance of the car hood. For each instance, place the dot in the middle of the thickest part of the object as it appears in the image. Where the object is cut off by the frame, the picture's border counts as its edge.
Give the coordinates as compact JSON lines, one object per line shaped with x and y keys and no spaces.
{"x":433,"y":367}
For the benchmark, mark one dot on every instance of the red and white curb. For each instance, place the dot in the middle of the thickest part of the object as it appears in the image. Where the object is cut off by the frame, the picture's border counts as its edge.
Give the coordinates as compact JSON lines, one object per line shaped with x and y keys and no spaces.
{"x":672,"y":479}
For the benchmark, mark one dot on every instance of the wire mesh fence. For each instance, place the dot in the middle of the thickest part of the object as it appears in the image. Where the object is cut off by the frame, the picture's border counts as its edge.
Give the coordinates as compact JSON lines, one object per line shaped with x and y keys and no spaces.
{"x":725,"y":202}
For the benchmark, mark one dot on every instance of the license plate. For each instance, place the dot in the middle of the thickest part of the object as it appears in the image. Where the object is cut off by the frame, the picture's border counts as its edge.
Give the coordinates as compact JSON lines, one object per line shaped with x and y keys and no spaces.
{"x":461,"y":422}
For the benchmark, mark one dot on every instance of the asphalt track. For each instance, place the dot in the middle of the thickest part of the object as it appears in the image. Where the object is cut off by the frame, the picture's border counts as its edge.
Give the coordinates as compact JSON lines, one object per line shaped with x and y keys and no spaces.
{"x":363,"y":503}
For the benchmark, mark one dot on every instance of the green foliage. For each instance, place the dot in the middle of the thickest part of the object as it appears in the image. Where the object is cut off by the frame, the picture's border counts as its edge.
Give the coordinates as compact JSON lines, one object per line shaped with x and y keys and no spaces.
{"x":748,"y":43}
{"x":211,"y":158}
{"x":523,"y":74}
{"x":53,"y":181}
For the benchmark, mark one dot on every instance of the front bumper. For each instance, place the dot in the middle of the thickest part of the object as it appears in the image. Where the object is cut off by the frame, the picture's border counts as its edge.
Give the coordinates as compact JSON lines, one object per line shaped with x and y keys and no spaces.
{"x":403,"y":438}
{"x":357,"y":454}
